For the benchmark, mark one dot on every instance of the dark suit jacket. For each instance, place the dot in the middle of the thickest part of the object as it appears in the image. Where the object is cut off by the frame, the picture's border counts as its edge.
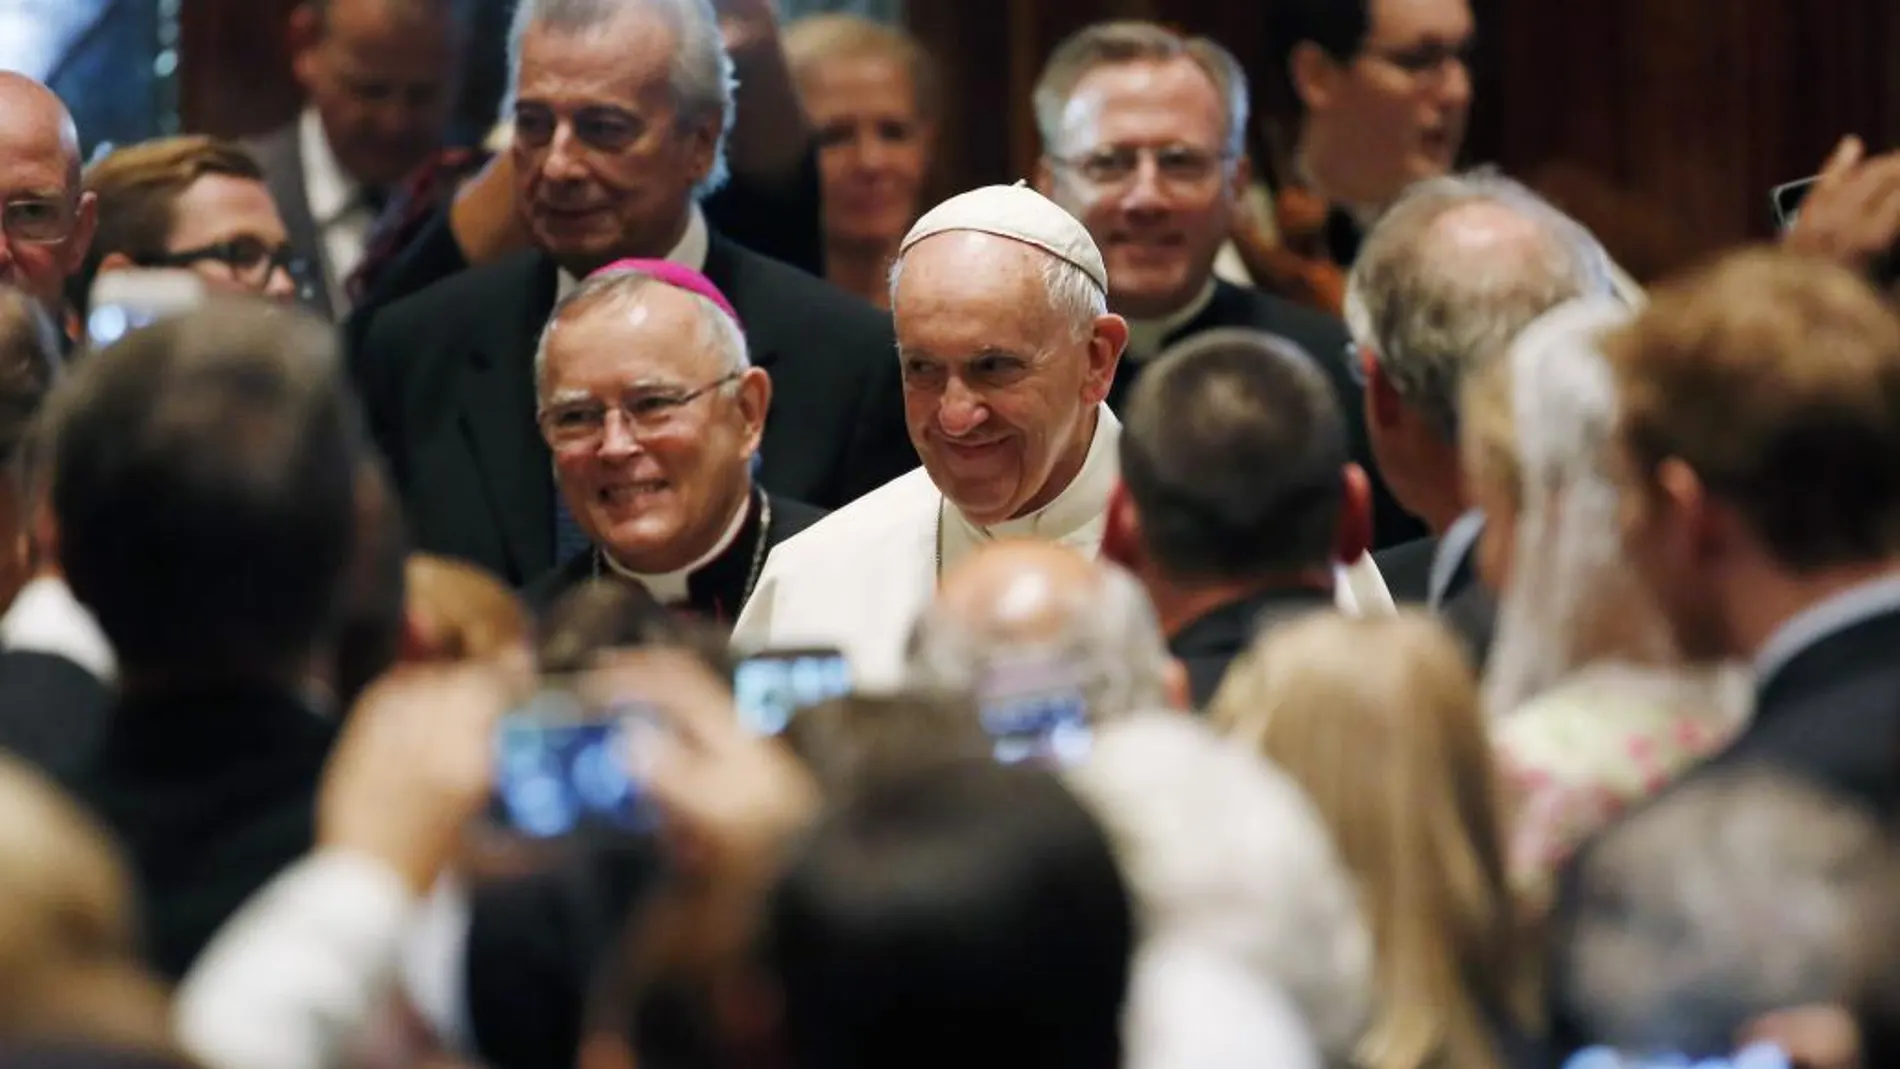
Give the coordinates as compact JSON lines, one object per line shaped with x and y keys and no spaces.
{"x":1208,"y":645}
{"x":211,"y":794}
{"x":52,"y":712}
{"x":1326,"y":341}
{"x":1407,"y":569}
{"x":447,"y":378}
{"x":280,"y":153}
{"x":717,"y":591}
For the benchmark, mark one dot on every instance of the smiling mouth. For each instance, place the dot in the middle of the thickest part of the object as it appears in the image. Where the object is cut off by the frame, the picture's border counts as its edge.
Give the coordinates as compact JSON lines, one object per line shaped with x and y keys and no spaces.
{"x":972,"y":450}
{"x":625,"y":494}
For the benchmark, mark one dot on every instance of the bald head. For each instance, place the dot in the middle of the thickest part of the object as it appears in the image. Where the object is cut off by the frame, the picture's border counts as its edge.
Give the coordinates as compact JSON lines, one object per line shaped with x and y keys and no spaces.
{"x":50,"y":221}
{"x":1018,"y":601}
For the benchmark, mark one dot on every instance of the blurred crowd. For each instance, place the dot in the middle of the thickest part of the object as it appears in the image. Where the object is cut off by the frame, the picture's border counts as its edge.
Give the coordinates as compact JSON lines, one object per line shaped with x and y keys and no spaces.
{"x":657,"y":591}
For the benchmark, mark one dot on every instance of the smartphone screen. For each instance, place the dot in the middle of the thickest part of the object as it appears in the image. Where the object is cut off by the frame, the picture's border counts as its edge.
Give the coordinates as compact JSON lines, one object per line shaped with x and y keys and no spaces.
{"x":563,"y":766}
{"x":769,"y":688}
{"x":1035,"y":711}
{"x":1786,"y":200}
{"x":124,"y":301}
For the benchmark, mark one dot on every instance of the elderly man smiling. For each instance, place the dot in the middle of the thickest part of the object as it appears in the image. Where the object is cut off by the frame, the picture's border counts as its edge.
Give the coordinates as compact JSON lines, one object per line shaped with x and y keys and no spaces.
{"x":653,"y":414}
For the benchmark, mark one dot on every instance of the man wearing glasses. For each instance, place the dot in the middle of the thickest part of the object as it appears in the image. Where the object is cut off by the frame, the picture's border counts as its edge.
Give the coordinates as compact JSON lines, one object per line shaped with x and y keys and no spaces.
{"x":46,"y":218}
{"x":1383,"y":88}
{"x":1143,"y":136}
{"x":194,"y":203}
{"x":653,"y":413}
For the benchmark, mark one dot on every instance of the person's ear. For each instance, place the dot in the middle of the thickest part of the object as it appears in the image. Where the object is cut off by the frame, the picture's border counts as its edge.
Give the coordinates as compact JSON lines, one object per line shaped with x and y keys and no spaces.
{"x":1242,"y":182}
{"x":1383,"y":403}
{"x":302,"y":35}
{"x":1175,"y":685}
{"x":1315,"y":76}
{"x":1044,"y":178}
{"x":1106,"y":344}
{"x":1706,"y":528}
{"x":79,"y":242}
{"x":1355,"y":515}
{"x":755,"y":400}
{"x":1121,"y":532}
{"x":702,"y":147}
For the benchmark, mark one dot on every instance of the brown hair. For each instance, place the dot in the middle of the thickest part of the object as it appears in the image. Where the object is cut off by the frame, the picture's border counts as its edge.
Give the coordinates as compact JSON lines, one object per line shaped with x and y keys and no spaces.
{"x":138,"y":186}
{"x":1776,"y":379}
{"x":1392,"y":750}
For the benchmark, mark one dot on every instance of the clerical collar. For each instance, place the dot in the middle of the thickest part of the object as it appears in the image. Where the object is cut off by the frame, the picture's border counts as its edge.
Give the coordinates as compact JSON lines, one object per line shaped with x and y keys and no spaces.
{"x":670,"y":587}
{"x":690,"y":252}
{"x":1075,"y":517}
{"x":1147,"y":336}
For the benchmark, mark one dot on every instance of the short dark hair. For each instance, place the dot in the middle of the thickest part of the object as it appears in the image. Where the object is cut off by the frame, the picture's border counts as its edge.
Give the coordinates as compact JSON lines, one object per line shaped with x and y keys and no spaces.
{"x":1233,"y":453}
{"x":848,"y":740}
{"x":965,"y":914}
{"x":602,"y":615}
{"x":1338,"y":27}
{"x":204,"y":482}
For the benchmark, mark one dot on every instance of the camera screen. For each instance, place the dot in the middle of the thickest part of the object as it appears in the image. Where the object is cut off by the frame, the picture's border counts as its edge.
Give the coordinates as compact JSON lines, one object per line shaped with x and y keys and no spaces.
{"x":771,"y":687}
{"x":561,"y":769}
{"x":1050,"y":728}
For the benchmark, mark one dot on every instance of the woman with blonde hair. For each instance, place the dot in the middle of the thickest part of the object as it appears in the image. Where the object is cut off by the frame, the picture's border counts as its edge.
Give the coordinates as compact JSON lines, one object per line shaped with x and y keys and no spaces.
{"x":1593,"y":706}
{"x":1391,"y":748}
{"x":871,"y":93}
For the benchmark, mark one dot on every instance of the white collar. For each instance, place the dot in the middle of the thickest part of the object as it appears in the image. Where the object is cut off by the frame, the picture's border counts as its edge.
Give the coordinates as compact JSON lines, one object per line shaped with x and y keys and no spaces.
{"x":1147,"y":336}
{"x":1075,"y":515}
{"x":690,"y":252}
{"x":330,"y":190}
{"x":45,"y":617}
{"x":670,"y":587}
{"x":1822,"y":621}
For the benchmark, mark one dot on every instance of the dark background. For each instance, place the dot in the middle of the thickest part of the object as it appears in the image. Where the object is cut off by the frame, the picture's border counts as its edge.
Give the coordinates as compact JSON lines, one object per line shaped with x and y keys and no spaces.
{"x":1660,"y":123}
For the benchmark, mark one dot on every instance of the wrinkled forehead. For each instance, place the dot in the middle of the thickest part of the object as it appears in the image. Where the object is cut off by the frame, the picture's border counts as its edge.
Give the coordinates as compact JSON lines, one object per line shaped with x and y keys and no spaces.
{"x":36,"y":155}
{"x":978,"y":287}
{"x":658,"y":336}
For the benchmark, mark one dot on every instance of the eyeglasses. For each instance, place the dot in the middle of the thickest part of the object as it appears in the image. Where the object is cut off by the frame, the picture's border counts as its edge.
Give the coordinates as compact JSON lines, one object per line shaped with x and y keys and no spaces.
{"x":250,"y":261}
{"x":599,"y":126}
{"x":1178,"y":166}
{"x":37,"y":220}
{"x":583,"y":422}
{"x":1427,"y":61}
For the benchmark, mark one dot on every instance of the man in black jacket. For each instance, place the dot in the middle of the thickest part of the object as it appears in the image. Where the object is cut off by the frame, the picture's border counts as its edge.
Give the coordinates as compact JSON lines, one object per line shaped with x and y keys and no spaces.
{"x":207,"y":473}
{"x":1761,"y":419}
{"x":1143,"y":135}
{"x":611,"y":149}
{"x":1237,"y":495}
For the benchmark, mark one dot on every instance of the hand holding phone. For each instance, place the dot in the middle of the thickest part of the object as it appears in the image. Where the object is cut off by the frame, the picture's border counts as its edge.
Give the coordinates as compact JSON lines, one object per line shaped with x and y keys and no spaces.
{"x":1035,"y":709}
{"x":770,"y":688}
{"x":569,"y":762}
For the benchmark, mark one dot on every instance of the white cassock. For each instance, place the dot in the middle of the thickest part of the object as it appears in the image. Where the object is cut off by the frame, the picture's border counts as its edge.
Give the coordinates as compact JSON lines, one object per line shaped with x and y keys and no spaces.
{"x":858,"y":579}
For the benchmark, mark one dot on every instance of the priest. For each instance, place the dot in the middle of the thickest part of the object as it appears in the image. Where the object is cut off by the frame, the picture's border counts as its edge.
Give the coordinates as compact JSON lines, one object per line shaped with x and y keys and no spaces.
{"x":653,"y":415}
{"x":1007,"y":352}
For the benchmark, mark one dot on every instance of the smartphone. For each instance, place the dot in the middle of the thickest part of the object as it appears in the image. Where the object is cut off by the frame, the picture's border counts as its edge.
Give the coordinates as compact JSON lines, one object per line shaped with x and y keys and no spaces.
{"x":124,"y":301}
{"x":1035,"y":711}
{"x":770,"y":688}
{"x":1786,"y":200}
{"x":567,"y":764}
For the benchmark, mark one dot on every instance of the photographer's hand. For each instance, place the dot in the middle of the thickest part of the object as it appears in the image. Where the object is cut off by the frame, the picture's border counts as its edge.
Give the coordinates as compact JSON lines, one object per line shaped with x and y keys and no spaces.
{"x":1852,"y":215}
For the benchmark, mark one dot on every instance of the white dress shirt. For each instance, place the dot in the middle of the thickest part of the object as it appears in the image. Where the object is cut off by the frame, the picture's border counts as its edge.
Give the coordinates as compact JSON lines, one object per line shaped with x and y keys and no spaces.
{"x":1146,"y":337}
{"x":337,"y":206}
{"x":669,"y":588}
{"x":46,"y":618}
{"x":690,"y":251}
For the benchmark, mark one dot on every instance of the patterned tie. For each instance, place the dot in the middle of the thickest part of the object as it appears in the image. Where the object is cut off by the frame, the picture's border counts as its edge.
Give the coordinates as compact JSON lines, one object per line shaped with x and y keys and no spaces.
{"x":569,"y":540}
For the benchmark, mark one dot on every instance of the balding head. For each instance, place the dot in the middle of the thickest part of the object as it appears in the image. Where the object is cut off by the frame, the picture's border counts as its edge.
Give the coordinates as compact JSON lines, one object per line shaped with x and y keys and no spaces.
{"x":1018,"y":602}
{"x":49,"y":221}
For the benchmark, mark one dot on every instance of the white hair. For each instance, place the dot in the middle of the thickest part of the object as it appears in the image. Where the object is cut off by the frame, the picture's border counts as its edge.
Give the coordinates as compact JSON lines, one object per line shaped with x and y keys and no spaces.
{"x":1111,"y":636}
{"x":1730,"y":898}
{"x":1192,"y":1007}
{"x":1072,"y":294}
{"x":1432,"y":313}
{"x":701,"y":73}
{"x":1224,"y":851}
{"x":621,"y":289}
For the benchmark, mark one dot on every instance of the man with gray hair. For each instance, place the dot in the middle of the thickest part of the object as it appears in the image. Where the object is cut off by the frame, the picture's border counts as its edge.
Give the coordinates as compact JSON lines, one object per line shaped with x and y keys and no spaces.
{"x":653,"y":414}
{"x":620,"y":109}
{"x":1449,"y":276}
{"x":1007,"y":350}
{"x":1019,"y":624}
{"x":1144,"y":140}
{"x":1740,"y":909}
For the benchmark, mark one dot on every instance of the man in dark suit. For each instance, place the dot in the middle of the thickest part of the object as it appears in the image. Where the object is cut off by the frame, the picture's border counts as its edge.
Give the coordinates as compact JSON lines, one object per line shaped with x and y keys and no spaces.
{"x":206,"y":484}
{"x":1450,"y":276}
{"x":609,"y":154}
{"x":381,"y":78}
{"x":1237,"y":495}
{"x":1143,"y":134}
{"x":653,"y":414}
{"x":1765,"y":507}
